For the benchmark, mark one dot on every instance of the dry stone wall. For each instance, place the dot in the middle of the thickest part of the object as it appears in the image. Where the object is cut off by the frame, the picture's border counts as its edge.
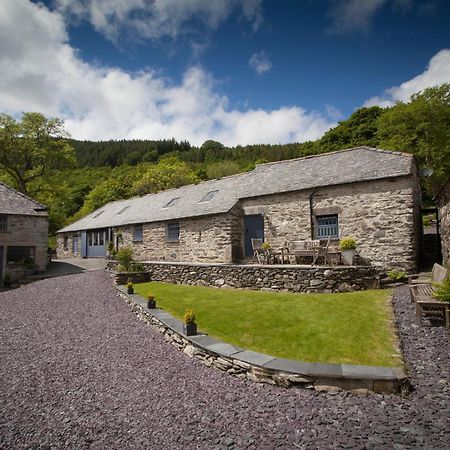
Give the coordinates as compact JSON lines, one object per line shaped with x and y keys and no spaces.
{"x":270,"y":278}
{"x":444,"y":223}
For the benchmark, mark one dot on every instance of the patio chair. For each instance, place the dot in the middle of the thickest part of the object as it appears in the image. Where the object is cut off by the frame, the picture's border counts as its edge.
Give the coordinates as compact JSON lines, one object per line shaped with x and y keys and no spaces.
{"x":258,"y":251}
{"x":322,"y":251}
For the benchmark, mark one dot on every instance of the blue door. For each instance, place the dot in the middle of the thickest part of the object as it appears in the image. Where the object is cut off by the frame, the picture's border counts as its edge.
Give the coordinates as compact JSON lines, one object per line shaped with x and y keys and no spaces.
{"x":75,"y":245}
{"x":254,"y":229}
{"x":83,"y":244}
{"x":97,"y":242}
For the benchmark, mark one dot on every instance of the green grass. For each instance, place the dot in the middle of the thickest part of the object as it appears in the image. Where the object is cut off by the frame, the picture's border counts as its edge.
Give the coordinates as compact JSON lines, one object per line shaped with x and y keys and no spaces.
{"x":350,"y":328}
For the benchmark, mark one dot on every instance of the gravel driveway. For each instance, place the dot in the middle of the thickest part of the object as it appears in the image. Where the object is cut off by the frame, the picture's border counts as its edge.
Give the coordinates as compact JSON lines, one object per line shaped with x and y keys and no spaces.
{"x":78,"y":370}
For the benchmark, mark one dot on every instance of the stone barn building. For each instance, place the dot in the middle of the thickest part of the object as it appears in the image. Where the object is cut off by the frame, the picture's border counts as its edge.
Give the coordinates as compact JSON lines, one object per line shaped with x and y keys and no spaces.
{"x":370,"y":194}
{"x":443,"y":202}
{"x":23,"y":234}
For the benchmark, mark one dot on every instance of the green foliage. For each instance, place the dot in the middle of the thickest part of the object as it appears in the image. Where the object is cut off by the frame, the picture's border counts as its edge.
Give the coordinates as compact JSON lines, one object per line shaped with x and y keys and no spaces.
{"x":422,"y":127}
{"x":397,"y":275}
{"x":347,"y":243}
{"x":189,"y":316}
{"x":442,"y":291}
{"x":125,"y":257}
{"x":32,"y":147}
{"x":222,"y":169}
{"x":129,"y":284}
{"x":265,"y":246}
{"x":168,"y":173}
{"x":150,"y":295}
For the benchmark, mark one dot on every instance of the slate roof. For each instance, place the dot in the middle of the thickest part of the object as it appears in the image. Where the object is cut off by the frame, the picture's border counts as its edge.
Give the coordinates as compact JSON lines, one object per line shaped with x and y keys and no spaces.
{"x":14,"y":202}
{"x":342,"y":167}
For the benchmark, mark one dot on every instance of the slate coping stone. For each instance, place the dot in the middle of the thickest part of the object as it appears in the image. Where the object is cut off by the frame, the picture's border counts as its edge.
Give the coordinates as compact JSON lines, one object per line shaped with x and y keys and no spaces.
{"x":203,"y":340}
{"x":224,"y":349}
{"x":325,"y":370}
{"x":288,"y":365}
{"x":251,"y":357}
{"x":368,"y":372}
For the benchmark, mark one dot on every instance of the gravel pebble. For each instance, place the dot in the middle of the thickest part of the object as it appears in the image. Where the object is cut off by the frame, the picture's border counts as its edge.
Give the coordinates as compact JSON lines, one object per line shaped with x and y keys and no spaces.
{"x":78,"y":370}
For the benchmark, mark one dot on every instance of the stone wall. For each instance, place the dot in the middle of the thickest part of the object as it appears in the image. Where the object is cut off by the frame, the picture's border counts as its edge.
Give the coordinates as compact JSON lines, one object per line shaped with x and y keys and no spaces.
{"x":382,"y":216}
{"x":26,"y":231}
{"x":444,"y":222}
{"x":276,"y":278}
{"x":67,"y":252}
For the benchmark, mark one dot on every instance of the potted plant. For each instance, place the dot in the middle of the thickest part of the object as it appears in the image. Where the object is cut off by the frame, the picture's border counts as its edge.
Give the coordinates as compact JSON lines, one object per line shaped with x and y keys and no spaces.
{"x":151,"y":302}
{"x":348,"y":249}
{"x":130,"y":288}
{"x":189,"y":326}
{"x":442,"y":292}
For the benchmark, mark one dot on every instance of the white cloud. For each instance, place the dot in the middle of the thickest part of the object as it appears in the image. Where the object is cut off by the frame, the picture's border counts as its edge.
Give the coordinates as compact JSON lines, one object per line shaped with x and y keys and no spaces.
{"x":42,"y":72}
{"x":153,"y":19}
{"x":260,"y":62}
{"x":349,"y":16}
{"x":437,"y":73}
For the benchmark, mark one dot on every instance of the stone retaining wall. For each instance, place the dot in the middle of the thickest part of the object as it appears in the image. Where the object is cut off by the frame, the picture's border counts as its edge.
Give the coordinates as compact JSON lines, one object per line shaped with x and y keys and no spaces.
{"x":243,"y":370}
{"x":275,"y":278}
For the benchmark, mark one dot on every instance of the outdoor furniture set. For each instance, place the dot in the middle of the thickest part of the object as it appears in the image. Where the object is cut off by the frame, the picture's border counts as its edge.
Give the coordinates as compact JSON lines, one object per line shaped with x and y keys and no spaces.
{"x":313,"y":251}
{"x":422,"y":290}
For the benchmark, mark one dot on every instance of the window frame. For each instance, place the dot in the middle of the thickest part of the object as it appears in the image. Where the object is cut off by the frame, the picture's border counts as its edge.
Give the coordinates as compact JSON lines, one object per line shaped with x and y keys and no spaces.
{"x":138,"y":236}
{"x":20,"y":260}
{"x":3,"y":223}
{"x":173,"y":232}
{"x":323,"y":226}
{"x":66,"y":243}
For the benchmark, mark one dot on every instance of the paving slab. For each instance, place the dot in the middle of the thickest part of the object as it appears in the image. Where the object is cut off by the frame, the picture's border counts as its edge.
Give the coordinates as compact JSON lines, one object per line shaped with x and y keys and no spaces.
{"x":325,"y":370}
{"x":288,"y":365}
{"x":251,"y":357}
{"x":224,"y":349}
{"x":368,"y":372}
{"x":204,"y":340}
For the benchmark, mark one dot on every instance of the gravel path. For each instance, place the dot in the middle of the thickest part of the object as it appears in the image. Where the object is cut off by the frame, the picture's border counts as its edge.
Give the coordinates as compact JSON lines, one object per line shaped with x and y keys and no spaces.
{"x":78,"y":370}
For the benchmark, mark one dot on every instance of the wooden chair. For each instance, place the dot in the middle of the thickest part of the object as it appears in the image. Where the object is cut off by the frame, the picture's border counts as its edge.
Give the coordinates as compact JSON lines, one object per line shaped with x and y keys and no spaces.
{"x":258,"y":251}
{"x":323,"y":250}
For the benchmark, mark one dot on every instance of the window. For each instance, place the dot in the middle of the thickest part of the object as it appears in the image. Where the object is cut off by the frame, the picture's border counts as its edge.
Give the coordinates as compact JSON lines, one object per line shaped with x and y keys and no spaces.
{"x":97,"y":214}
{"x":96,"y":238}
{"x":3,"y":224}
{"x":171,"y":203}
{"x":209,"y":196}
{"x":66,"y":243}
{"x":20,"y":255}
{"x":327,"y":226}
{"x":173,"y":232}
{"x":138,"y":233}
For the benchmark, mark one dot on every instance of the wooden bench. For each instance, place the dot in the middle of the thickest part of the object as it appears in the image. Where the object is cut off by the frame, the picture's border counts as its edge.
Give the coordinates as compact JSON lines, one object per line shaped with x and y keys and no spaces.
{"x":438,"y":275}
{"x":426,"y":305}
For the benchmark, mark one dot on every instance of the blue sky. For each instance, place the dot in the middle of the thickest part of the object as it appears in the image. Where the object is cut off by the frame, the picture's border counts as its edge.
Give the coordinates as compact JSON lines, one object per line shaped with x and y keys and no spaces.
{"x":241,"y":72}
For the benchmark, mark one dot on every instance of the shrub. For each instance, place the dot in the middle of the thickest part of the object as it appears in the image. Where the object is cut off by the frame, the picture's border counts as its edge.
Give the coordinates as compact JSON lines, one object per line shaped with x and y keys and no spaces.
{"x":442,"y":293}
{"x":129,"y":284}
{"x":265,"y":246}
{"x":137,"y":267}
{"x":110,"y":246}
{"x":150,"y":295}
{"x":189,"y":316}
{"x":396,"y":275}
{"x":347,"y":243}
{"x":125,"y":256}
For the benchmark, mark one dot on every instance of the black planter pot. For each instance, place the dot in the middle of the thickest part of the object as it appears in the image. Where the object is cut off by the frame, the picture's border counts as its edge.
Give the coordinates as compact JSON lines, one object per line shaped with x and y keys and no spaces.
{"x":190,"y":329}
{"x":151,"y":304}
{"x":131,"y":290}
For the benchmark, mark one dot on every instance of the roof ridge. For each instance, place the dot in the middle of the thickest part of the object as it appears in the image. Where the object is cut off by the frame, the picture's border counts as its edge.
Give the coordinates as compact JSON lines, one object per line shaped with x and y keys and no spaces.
{"x":318,"y":155}
{"x":23,"y":195}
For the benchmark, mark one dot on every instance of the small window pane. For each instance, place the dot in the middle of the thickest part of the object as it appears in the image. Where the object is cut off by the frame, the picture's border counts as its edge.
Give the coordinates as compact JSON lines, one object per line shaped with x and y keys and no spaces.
{"x":3,"y":223}
{"x":171,"y":202}
{"x":327,"y":226}
{"x":209,"y":196}
{"x":173,"y":232}
{"x":138,"y":233}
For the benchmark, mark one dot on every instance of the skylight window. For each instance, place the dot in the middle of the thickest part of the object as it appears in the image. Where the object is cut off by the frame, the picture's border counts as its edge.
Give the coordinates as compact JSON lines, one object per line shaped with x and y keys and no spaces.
{"x":172,"y":202}
{"x":209,"y":196}
{"x":123,"y":209}
{"x":98,"y":214}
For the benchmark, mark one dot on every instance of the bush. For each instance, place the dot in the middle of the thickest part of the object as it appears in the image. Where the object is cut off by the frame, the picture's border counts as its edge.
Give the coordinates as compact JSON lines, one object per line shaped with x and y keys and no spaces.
{"x":189,"y":316}
{"x":150,"y":295}
{"x":125,"y":257}
{"x":265,"y":246}
{"x":137,"y":267}
{"x":396,"y":275}
{"x":347,"y":243}
{"x":442,"y":293}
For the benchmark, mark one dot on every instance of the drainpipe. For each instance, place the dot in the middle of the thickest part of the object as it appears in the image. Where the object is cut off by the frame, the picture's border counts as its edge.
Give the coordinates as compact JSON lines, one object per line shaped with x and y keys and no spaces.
{"x":311,"y":216}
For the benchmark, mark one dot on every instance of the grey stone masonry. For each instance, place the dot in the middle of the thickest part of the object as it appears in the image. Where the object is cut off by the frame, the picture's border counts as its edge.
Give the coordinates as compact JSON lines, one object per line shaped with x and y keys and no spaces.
{"x":443,"y":201}
{"x":275,"y":277}
{"x":260,"y":368}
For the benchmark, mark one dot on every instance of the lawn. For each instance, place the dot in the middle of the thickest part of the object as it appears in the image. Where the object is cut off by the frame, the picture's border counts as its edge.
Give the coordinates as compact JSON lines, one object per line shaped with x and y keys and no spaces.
{"x":350,"y":328}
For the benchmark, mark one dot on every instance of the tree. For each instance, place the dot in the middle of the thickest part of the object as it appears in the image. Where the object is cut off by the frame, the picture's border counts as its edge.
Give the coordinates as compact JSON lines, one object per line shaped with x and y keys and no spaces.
{"x":422,"y":127}
{"x":32,"y":147}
